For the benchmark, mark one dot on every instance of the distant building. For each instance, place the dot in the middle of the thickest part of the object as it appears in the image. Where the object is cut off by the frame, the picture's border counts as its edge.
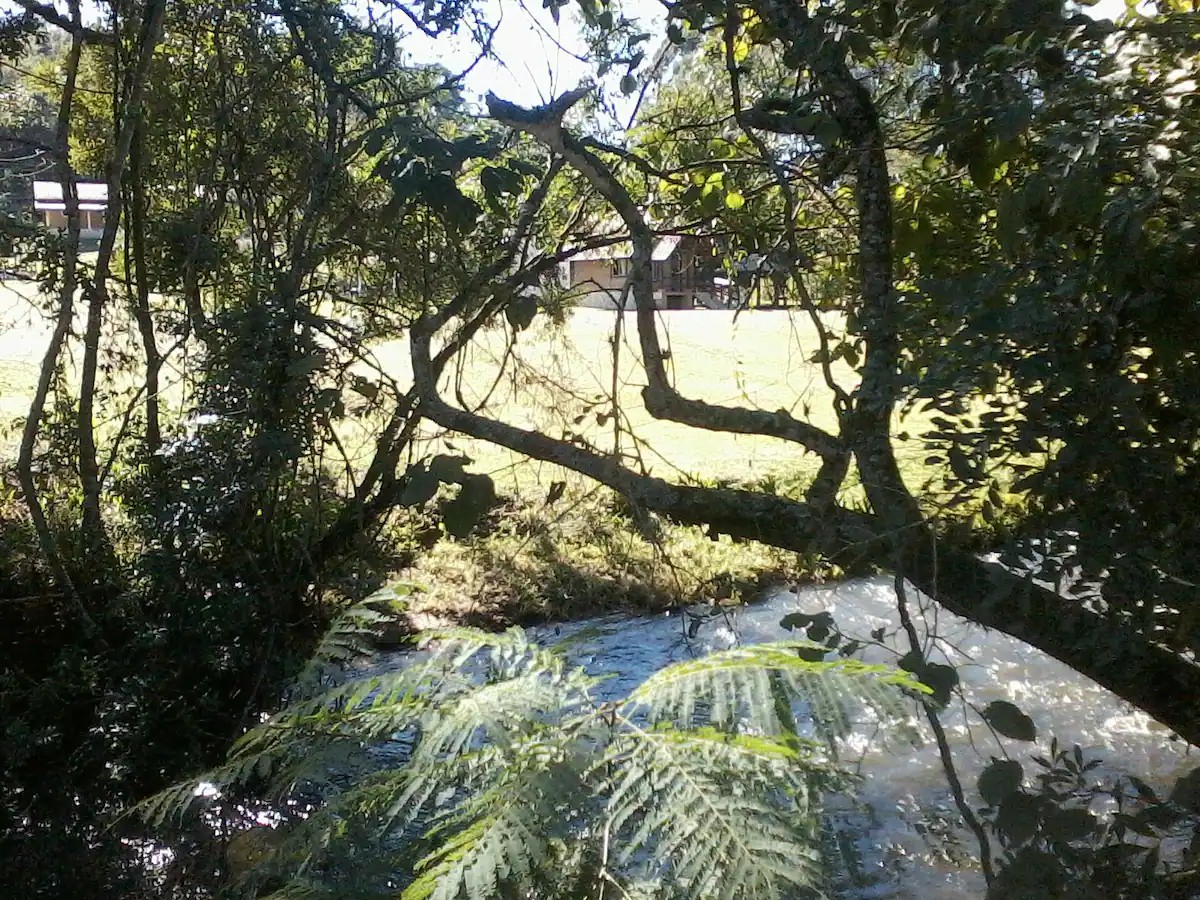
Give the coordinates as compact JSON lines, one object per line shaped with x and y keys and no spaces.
{"x":685,"y":274}
{"x":51,"y":209}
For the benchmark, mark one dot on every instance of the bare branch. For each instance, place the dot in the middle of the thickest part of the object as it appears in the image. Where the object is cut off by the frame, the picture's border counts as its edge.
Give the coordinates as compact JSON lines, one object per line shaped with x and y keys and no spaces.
{"x":89,"y":468}
{"x":66,"y":301}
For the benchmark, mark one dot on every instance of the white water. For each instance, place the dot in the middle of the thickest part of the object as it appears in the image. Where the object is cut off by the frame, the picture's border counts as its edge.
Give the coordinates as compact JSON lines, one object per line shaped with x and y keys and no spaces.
{"x":909,"y":843}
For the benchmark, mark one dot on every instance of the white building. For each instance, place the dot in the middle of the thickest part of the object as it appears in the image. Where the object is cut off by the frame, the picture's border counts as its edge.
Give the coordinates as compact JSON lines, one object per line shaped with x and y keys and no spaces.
{"x":684,"y":272}
{"x":51,"y":209}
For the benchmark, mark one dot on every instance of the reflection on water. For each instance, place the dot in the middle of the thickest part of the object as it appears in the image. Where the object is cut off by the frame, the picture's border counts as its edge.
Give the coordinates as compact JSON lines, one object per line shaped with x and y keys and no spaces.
{"x":906,"y":836}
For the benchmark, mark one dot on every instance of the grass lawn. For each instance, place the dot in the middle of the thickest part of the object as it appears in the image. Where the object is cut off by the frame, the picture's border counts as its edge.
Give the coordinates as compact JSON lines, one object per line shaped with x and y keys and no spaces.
{"x":757,"y":359}
{"x":560,"y":378}
{"x":579,"y":556}
{"x":23,"y":339}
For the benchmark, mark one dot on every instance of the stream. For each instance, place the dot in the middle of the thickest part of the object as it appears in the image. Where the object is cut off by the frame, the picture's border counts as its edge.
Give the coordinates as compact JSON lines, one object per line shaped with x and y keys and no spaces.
{"x":908,"y":842}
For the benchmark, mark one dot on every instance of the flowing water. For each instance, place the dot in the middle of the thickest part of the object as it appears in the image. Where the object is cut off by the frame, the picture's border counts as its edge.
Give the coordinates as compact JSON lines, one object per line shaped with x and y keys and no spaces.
{"x":906,"y":839}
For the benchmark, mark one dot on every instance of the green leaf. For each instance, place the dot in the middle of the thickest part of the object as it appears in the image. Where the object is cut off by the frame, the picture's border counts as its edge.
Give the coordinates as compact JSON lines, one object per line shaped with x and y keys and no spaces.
{"x":448,"y":469}
{"x":364,"y":387}
{"x":981,"y":168}
{"x":734,"y":200}
{"x":629,"y":84}
{"x":827,"y":131}
{"x":306,"y":365}
{"x":557,"y":489}
{"x":375,"y":141}
{"x":818,"y":625}
{"x":793,"y":621}
{"x":962,"y":467}
{"x":1071,"y":824}
{"x":498,"y":182}
{"x":521,"y":311}
{"x":942,"y":680}
{"x":525,"y":167}
{"x":1019,"y":817}
{"x":1001,"y":778}
{"x":1010,"y":721}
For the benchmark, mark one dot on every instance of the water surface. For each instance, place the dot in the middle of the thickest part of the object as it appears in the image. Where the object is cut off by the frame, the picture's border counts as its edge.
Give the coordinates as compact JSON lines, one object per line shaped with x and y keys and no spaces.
{"x":905,"y":829}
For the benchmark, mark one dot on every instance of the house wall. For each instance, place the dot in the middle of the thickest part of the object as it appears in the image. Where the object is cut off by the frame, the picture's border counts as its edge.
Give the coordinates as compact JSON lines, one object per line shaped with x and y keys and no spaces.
{"x":91,"y":222}
{"x":683,"y":281}
{"x":593,"y":285}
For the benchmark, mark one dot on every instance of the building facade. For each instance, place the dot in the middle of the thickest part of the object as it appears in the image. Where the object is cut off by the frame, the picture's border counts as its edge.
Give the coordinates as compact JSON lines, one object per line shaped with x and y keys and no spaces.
{"x":51,"y":209}
{"x":685,"y":274}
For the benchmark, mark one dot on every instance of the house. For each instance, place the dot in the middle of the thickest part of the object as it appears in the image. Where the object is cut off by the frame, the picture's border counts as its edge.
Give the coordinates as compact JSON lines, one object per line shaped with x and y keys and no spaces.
{"x":51,"y":209}
{"x":685,"y":270}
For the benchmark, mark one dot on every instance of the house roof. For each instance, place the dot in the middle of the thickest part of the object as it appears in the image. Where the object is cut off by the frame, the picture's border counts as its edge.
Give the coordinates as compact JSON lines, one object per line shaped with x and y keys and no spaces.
{"x":48,"y":195}
{"x":624,"y":250}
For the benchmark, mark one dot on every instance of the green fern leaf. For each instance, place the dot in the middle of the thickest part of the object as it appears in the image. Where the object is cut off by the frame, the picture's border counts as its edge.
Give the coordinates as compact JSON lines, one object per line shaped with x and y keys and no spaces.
{"x":743,"y":688}
{"x":500,"y":834}
{"x":352,"y":636}
{"x":724,"y":815}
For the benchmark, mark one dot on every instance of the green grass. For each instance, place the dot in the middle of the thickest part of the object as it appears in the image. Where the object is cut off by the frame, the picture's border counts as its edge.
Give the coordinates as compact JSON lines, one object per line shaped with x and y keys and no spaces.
{"x":23,"y":340}
{"x":558,"y":373}
{"x":582,"y":556}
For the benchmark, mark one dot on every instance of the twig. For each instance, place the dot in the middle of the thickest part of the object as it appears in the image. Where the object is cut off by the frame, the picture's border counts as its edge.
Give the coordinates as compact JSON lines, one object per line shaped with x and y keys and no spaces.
{"x":960,"y":800}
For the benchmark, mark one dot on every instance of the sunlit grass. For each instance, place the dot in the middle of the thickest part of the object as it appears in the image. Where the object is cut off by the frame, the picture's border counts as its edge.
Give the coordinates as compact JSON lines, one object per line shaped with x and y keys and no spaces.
{"x":558,"y":377}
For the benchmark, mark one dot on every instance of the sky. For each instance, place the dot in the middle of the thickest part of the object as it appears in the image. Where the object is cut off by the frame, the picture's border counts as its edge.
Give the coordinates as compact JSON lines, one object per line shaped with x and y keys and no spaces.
{"x":536,"y":61}
{"x":536,"y":57}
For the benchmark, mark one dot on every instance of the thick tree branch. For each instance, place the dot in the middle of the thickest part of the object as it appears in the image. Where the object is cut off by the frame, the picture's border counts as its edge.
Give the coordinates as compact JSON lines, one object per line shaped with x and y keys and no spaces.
{"x":1147,"y":674}
{"x":867,"y":426}
{"x":62,"y":325}
{"x":136,"y":216}
{"x":1167,"y":685}
{"x":743,"y":514}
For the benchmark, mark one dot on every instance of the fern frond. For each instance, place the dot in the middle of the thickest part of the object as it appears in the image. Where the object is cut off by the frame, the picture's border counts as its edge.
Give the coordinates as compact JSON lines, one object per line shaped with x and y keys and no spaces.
{"x":304,"y":890}
{"x":515,"y":782}
{"x":721,"y":815}
{"x":352,"y":635}
{"x":465,"y":741}
{"x":508,"y":654}
{"x":756,"y":688}
{"x":500,"y":711}
{"x":499,"y":835}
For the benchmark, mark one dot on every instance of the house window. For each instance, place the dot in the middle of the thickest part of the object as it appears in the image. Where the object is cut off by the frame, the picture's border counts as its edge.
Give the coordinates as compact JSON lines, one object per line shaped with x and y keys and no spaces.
{"x":620,"y":268}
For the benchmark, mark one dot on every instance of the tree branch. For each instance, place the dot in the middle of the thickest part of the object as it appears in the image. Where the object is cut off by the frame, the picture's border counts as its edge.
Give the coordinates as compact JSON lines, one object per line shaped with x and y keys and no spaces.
{"x":73,"y":27}
{"x":89,"y":468}
{"x":661,"y":399}
{"x":66,"y":303}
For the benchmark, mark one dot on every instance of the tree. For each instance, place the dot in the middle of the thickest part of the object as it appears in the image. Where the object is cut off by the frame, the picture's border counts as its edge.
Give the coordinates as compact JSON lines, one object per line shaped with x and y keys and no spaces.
{"x":188,"y":502}
{"x":925,"y":180}
{"x":995,"y":101}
